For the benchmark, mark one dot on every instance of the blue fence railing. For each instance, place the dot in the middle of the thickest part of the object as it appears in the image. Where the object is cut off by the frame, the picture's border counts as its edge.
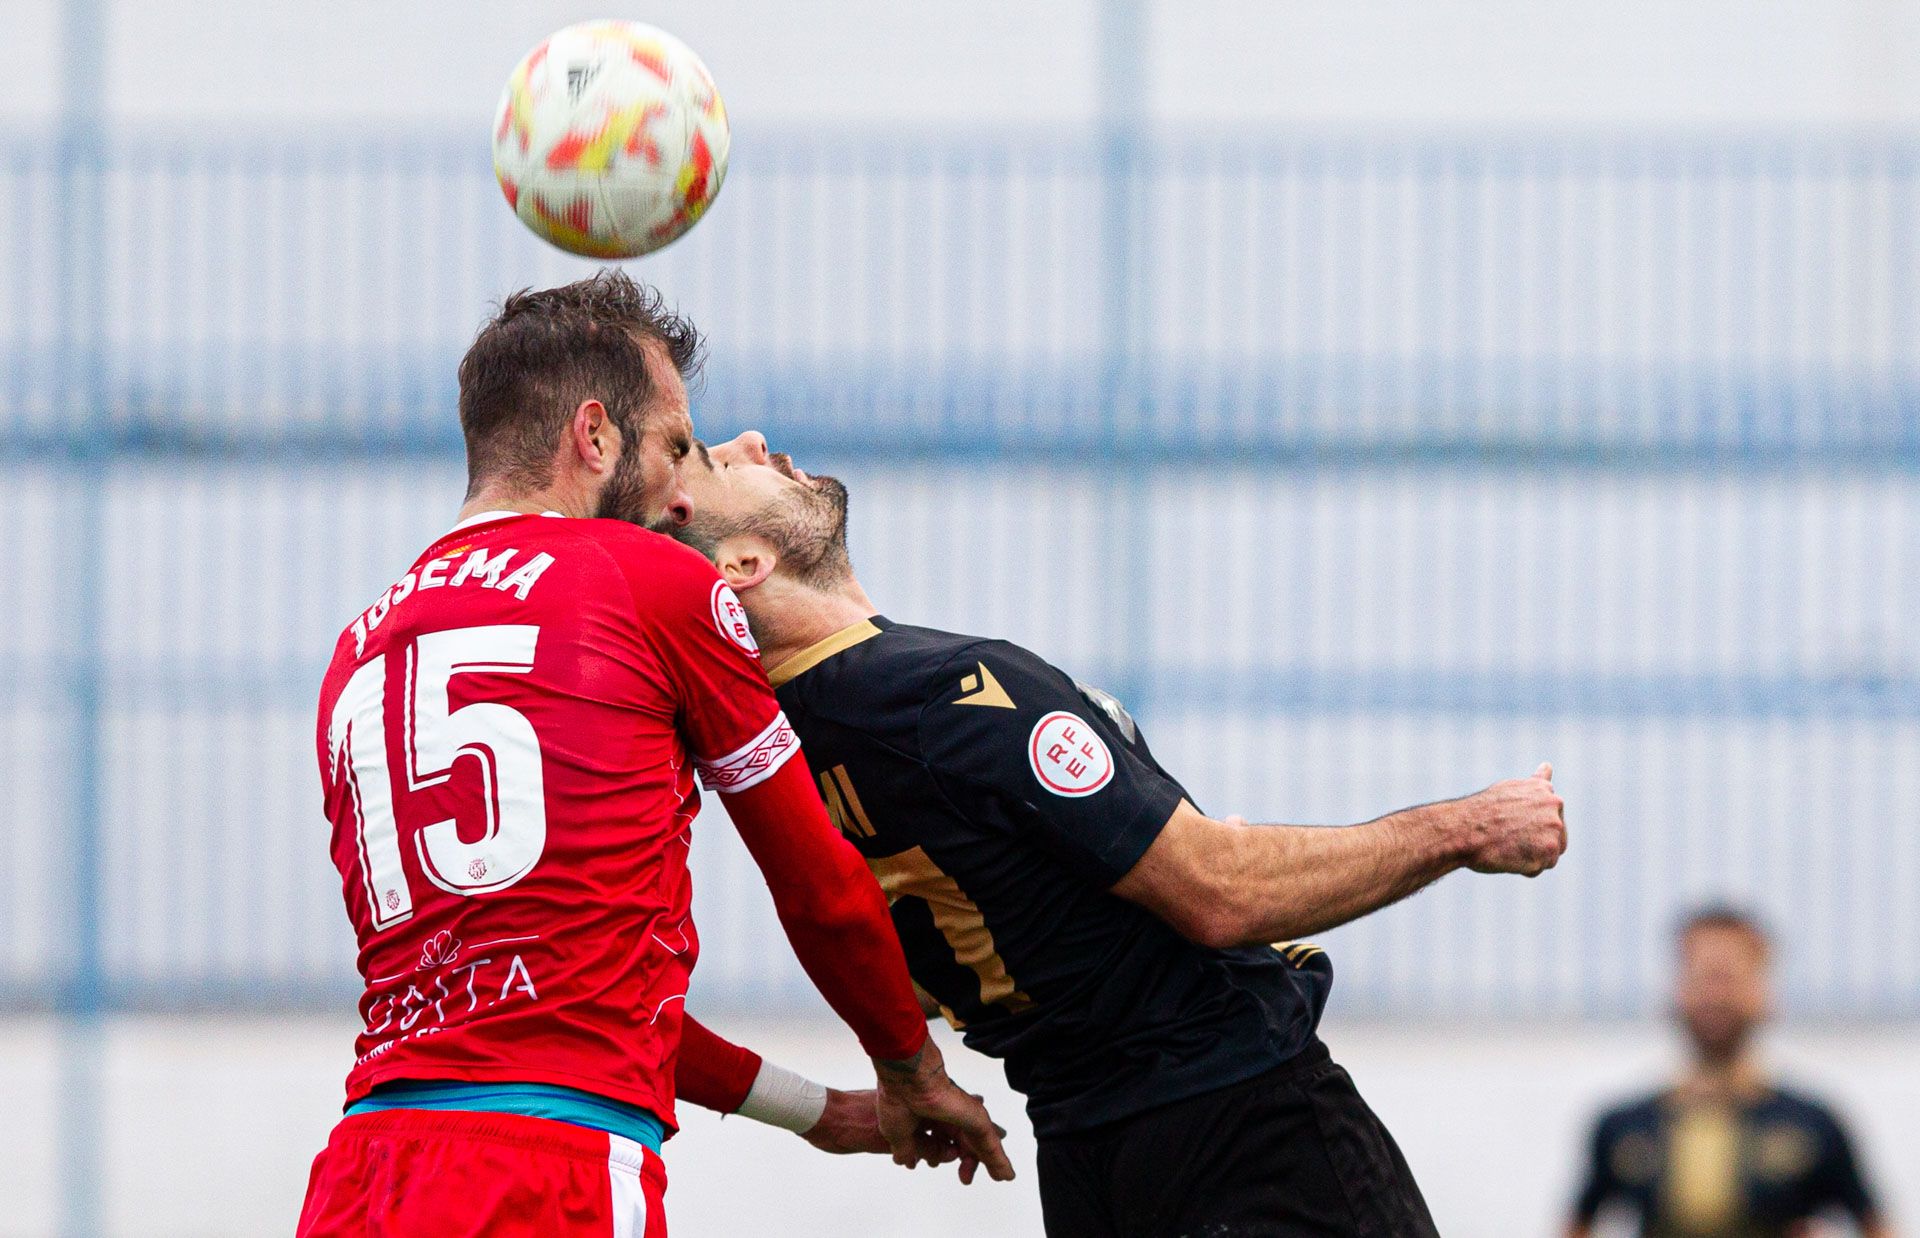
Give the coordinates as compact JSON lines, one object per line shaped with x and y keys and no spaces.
{"x":1630,"y":295}
{"x":1403,"y":465}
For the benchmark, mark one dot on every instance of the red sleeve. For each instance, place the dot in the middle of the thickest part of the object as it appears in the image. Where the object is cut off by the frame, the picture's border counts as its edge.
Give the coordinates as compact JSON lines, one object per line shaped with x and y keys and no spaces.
{"x":831,"y":907}
{"x":712,"y":1072}
{"x":833,"y":911}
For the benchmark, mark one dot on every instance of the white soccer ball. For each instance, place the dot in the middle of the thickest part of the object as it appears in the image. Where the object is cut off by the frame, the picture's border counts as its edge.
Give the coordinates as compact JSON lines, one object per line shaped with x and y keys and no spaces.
{"x":611,"y":140}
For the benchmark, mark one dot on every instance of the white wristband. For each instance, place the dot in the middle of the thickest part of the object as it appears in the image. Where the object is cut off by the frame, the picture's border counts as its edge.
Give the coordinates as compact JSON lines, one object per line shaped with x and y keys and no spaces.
{"x":783,"y":1099}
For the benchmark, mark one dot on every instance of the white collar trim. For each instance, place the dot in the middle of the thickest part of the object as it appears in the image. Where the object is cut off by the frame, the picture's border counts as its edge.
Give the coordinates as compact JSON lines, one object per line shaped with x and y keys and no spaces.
{"x":488,"y":517}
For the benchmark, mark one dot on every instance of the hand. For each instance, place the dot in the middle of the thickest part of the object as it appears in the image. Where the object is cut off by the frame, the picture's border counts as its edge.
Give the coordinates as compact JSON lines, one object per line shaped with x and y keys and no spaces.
{"x":921,"y":1110}
{"x":850,"y":1123}
{"x":1517,"y":826}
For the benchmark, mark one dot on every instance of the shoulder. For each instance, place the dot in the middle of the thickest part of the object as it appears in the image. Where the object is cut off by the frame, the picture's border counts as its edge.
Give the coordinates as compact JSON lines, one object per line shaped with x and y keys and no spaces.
{"x":1003,"y":714}
{"x":671,"y":588}
{"x":1803,"y":1108}
{"x":928,"y":647}
{"x":656,"y":568}
{"x":948,"y":690}
{"x":1639,"y":1112}
{"x":957,"y":655}
{"x":635,"y":547}
{"x":1626,"y":1144}
{"x":894,"y":672}
{"x":986,"y":670}
{"x":982,"y":683}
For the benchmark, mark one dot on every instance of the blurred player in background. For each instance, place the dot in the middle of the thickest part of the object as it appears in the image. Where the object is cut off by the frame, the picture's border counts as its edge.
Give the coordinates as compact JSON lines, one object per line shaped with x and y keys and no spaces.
{"x":508,"y":739}
{"x":1723,"y":1152}
{"x":1065,"y":904}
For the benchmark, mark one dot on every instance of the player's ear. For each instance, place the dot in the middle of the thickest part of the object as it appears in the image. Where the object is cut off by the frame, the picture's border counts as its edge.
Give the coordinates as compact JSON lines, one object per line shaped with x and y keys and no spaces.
{"x":589,"y":433}
{"x":745,"y":560}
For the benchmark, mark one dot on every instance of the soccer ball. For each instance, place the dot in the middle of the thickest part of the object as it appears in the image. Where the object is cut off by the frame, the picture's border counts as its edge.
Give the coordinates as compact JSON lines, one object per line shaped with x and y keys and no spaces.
{"x":611,"y":140}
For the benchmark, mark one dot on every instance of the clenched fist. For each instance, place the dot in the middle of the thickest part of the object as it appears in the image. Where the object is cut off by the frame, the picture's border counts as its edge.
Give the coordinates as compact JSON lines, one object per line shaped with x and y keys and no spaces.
{"x":1517,"y":826}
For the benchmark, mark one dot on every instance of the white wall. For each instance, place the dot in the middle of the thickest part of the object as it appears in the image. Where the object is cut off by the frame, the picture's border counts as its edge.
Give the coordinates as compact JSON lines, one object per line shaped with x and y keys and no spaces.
{"x":1488,"y":63}
{"x":1509,"y":63}
{"x":212,"y":1127}
{"x":855,"y":62}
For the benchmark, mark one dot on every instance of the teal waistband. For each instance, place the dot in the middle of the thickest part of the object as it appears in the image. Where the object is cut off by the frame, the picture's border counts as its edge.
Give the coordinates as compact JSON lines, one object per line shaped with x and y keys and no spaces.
{"x":531,"y":1100}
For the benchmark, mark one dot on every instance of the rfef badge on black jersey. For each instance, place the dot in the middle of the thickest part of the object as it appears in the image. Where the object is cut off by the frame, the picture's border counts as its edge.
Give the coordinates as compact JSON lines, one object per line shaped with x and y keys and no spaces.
{"x":998,"y":801}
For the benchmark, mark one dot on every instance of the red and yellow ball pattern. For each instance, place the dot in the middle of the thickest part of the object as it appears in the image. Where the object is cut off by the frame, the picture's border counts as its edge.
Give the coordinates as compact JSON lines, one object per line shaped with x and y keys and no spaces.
{"x":610,"y":140}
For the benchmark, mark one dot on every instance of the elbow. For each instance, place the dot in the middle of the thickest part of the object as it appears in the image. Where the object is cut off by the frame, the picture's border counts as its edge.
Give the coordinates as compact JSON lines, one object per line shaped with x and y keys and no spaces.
{"x":854,"y":909}
{"x":1219,"y":933}
{"x":832,"y":919}
{"x":1198,"y":878}
{"x":1213,"y":922}
{"x":1224,"y":920}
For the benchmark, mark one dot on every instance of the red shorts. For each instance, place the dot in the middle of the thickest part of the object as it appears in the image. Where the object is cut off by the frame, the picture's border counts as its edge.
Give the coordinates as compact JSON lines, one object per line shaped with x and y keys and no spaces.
{"x":416,"y":1173}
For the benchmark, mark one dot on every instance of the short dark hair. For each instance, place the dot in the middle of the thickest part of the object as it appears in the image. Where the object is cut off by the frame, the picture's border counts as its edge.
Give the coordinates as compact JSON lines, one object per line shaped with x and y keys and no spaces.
{"x":1725,"y":916}
{"x":546,"y":352}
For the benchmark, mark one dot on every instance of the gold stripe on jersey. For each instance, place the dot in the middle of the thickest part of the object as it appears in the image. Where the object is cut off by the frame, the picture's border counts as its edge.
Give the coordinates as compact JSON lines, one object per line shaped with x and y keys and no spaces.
{"x":1703,"y":1194}
{"x":913,"y":874}
{"x":836,"y":804}
{"x":843,"y":803}
{"x":1297,"y":952}
{"x":853,"y":800}
{"x":818,"y":652}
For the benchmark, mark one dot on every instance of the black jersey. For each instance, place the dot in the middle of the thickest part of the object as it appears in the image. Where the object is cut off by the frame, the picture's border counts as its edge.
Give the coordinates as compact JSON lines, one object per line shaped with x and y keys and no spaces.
{"x":1710,"y":1169}
{"x":998,"y":801}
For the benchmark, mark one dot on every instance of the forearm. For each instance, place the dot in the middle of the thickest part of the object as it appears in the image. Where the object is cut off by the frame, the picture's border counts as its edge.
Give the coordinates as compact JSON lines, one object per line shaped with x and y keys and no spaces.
{"x":851,"y":953}
{"x":833,"y":911}
{"x":711,"y":1071}
{"x":1225,"y":883}
{"x":1280,"y":881}
{"x":716,"y":1074}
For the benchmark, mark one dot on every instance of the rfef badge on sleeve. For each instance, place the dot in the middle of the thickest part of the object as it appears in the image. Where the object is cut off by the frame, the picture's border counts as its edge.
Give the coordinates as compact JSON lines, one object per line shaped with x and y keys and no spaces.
{"x":1068,"y":756}
{"x":731,"y":618}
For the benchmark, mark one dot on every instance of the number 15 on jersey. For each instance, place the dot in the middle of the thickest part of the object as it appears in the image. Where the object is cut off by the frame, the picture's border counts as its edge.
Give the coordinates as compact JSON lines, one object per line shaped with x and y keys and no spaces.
{"x":498,"y":738}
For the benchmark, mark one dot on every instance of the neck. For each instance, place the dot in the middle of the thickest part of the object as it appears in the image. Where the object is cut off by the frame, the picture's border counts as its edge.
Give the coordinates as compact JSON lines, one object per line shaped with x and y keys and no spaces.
{"x":494,"y":497}
{"x":1723,"y":1076}
{"x":789,"y":617}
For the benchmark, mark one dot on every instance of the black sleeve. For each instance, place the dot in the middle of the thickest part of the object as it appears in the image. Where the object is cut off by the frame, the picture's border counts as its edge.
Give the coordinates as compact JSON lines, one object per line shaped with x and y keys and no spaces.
{"x":1003,"y":723}
{"x":1838,"y":1181}
{"x":1600,"y":1184}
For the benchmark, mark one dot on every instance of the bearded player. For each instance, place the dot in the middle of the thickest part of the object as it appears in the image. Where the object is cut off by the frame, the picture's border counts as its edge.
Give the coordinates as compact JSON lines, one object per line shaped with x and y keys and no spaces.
{"x":1725,"y":1151}
{"x":1069,"y":909}
{"x":508,"y":742}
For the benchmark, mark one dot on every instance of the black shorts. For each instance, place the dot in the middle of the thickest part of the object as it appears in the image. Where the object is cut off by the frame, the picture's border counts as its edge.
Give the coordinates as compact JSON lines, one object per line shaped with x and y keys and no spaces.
{"x":1293,"y":1152}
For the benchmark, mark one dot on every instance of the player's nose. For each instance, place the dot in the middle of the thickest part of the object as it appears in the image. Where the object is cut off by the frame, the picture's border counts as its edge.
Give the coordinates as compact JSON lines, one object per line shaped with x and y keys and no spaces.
{"x":677,"y":511}
{"x":752,"y":445}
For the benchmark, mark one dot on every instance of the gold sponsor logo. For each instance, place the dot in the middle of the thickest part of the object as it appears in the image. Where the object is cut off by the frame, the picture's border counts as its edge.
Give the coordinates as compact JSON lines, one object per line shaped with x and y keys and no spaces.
{"x":982,"y":688}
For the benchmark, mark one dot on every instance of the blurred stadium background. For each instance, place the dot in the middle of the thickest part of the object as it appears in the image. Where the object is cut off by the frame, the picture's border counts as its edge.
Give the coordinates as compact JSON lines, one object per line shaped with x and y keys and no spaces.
{"x":1378,"y":397}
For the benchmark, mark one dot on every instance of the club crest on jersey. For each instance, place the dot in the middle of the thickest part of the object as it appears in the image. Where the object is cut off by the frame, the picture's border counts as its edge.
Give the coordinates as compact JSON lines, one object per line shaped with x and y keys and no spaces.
{"x":1068,"y":756}
{"x":731,"y":618}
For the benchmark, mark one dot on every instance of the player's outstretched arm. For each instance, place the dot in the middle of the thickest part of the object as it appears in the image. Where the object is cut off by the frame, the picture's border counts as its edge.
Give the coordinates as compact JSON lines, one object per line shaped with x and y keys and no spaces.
{"x":714,"y":1073}
{"x":836,"y":919}
{"x":1225,"y":883}
{"x":829,"y":904}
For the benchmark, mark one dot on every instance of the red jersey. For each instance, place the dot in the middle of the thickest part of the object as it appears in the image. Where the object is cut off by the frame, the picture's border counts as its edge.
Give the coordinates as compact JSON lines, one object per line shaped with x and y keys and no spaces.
{"x":508,"y":739}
